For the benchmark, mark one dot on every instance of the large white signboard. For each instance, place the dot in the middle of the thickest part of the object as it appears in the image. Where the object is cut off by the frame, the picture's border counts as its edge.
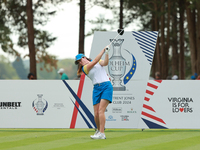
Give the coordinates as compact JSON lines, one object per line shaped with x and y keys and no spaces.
{"x":130,"y":60}
{"x":36,"y":104}
{"x":50,"y":104}
{"x":137,"y":101}
{"x":171,"y":104}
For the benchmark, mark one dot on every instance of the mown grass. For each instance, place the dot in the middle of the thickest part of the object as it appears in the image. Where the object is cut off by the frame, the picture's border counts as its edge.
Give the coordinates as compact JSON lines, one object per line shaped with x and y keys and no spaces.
{"x":117,"y":139}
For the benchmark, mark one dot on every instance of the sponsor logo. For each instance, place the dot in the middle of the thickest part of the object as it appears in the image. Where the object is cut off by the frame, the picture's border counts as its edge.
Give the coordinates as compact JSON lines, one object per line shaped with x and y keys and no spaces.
{"x":124,"y":117}
{"x":58,"y":105}
{"x":117,"y":109}
{"x":10,"y":105}
{"x":131,"y":111}
{"x":181,"y":104}
{"x":110,"y":118}
{"x":40,"y":105}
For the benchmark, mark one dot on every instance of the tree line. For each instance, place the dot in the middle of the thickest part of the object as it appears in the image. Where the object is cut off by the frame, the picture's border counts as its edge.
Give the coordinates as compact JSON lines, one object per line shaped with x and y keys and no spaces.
{"x":19,"y":69}
{"x":178,"y":22}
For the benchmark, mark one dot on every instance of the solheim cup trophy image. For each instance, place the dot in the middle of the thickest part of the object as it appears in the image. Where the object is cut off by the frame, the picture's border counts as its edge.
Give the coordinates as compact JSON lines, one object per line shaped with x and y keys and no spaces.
{"x":39,"y":106}
{"x":117,"y":65}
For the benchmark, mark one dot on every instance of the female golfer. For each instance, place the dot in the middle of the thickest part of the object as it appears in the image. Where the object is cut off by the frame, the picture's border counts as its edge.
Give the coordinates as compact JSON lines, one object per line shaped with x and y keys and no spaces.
{"x":102,"y":91}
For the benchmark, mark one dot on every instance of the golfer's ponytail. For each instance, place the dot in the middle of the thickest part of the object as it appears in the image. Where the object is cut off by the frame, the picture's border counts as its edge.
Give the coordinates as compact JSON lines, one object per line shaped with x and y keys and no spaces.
{"x":79,"y":71}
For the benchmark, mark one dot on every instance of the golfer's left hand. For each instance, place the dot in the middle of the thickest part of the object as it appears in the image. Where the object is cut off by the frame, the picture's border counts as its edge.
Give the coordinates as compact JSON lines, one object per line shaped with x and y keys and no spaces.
{"x":107,"y":49}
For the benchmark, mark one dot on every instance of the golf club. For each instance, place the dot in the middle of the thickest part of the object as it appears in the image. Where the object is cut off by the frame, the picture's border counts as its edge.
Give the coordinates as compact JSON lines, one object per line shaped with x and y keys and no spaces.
{"x":120,"y":32}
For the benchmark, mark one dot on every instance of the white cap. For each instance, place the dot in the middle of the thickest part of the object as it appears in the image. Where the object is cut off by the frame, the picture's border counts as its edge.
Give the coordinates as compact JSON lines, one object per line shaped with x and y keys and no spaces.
{"x":175,"y":77}
{"x":61,"y":70}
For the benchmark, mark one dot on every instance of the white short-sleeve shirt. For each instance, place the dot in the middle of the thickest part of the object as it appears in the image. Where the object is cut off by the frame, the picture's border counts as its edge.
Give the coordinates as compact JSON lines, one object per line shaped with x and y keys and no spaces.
{"x":97,"y":74}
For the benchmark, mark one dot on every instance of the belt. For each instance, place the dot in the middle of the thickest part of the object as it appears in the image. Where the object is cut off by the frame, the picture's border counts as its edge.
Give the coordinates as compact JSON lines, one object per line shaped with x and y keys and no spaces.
{"x":100,"y":84}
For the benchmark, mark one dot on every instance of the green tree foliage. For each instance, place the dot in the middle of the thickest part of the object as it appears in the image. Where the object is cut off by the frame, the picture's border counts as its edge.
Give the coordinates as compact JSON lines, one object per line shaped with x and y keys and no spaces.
{"x":13,"y":16}
{"x":5,"y":32}
{"x":43,"y":74}
{"x":7,"y":71}
{"x":102,"y":22}
{"x":69,"y":67}
{"x":178,"y":23}
{"x":19,"y":67}
{"x":67,"y":64}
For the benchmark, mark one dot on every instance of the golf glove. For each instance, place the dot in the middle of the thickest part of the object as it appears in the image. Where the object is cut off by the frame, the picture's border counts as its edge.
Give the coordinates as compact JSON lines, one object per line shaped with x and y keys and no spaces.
{"x":107,"y":49}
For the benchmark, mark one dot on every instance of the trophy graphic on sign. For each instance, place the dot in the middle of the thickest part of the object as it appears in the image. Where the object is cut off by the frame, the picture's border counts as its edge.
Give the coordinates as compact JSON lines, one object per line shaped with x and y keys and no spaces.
{"x":39,"y":106}
{"x":117,"y":65}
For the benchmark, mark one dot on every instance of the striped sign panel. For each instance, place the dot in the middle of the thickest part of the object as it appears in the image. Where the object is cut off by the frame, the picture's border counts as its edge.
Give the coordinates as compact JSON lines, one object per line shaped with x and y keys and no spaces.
{"x":149,"y":115}
{"x":147,"y":42}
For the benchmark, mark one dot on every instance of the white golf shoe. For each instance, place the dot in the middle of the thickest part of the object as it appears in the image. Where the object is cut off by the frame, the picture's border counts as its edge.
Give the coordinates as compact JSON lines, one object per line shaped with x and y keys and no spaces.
{"x":97,"y":131}
{"x":99,"y":135}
